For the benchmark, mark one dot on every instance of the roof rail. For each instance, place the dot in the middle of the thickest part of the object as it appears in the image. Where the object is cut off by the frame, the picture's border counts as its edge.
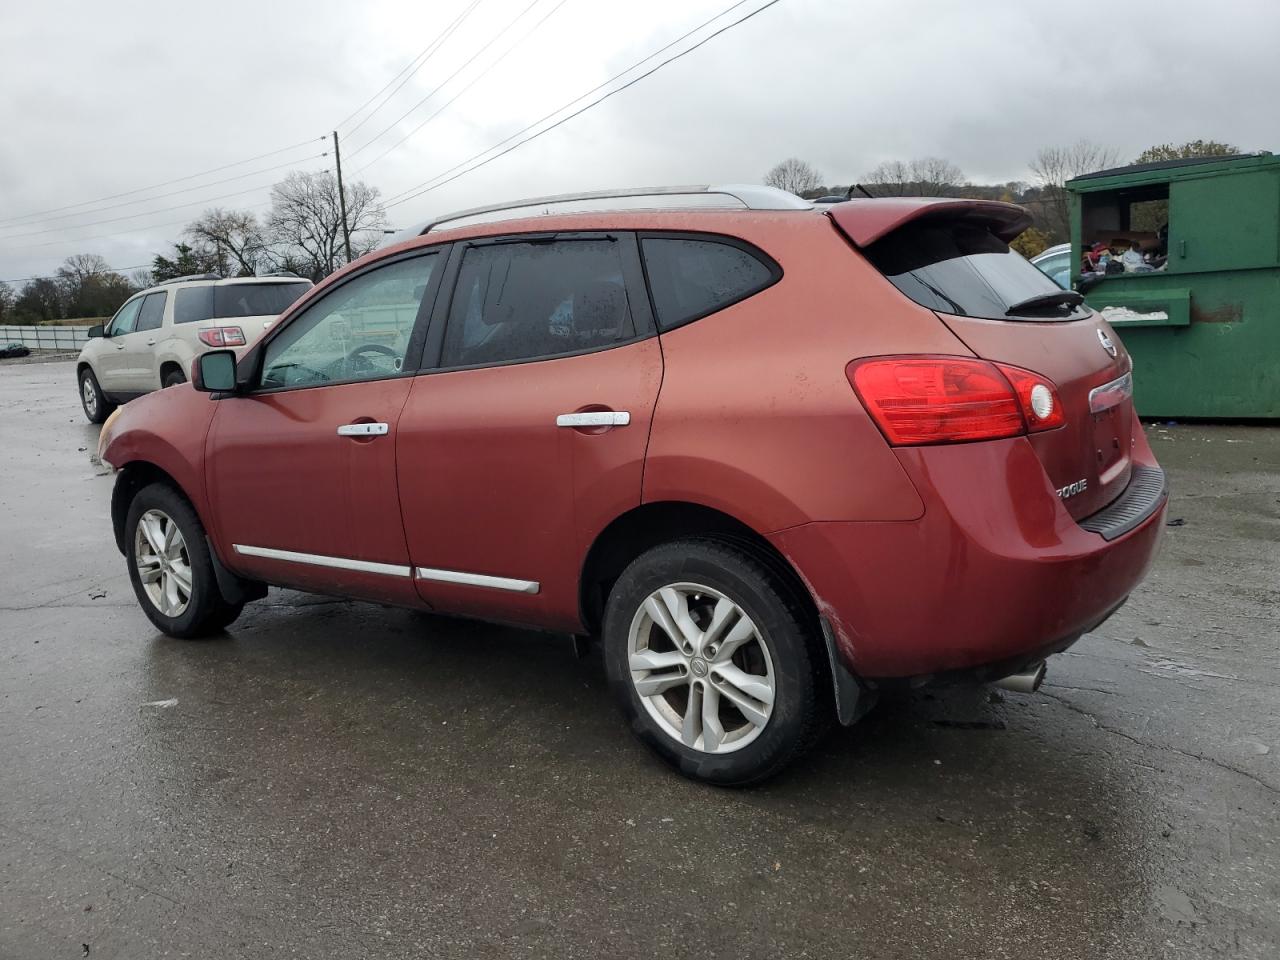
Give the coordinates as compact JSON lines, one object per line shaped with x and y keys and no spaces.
{"x":733,"y":196}
{"x":190,"y":276}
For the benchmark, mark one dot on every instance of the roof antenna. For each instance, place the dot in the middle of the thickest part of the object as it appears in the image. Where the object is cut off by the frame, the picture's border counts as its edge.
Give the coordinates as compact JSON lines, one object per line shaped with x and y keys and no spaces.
{"x":861,"y":189}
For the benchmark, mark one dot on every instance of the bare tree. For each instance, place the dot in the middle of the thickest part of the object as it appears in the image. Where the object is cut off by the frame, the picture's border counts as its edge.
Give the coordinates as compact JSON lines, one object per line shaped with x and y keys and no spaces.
{"x":235,"y":237}
{"x":793,"y":175}
{"x":90,"y":288}
{"x":141,"y":278}
{"x":1052,"y":167}
{"x":921,"y":177}
{"x":8,"y":300}
{"x":79,"y":267}
{"x":304,"y":226}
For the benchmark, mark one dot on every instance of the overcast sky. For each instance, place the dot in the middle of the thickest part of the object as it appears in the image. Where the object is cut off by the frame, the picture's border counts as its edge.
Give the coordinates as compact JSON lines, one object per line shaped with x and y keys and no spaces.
{"x":103,"y":98}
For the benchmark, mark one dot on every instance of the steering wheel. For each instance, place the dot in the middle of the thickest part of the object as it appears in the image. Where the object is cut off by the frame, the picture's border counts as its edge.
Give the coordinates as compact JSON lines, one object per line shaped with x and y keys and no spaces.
{"x":359,"y":359}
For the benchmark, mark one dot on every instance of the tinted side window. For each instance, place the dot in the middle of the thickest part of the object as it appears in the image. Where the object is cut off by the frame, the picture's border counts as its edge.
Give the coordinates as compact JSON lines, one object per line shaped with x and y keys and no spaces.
{"x":692,"y":278}
{"x":255,"y":299}
{"x":359,"y":331}
{"x":525,"y":301}
{"x":193,"y":304}
{"x":152,"y":313}
{"x":123,"y":321}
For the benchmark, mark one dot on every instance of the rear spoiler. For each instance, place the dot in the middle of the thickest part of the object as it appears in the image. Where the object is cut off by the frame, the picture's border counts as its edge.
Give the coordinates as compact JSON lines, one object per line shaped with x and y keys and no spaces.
{"x":866,"y":221}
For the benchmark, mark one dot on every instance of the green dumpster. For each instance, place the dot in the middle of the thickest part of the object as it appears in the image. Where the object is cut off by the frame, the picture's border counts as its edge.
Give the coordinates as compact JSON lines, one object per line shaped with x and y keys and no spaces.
{"x":1198,"y":303}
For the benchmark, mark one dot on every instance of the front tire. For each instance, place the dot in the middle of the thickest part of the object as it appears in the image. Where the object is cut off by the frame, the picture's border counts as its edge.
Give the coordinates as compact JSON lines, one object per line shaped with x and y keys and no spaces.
{"x":714,"y":662}
{"x":170,"y":567}
{"x":95,"y":403}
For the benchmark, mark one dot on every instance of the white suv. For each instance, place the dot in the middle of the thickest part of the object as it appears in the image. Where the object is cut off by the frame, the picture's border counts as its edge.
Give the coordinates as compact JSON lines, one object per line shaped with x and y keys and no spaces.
{"x":153,"y":339}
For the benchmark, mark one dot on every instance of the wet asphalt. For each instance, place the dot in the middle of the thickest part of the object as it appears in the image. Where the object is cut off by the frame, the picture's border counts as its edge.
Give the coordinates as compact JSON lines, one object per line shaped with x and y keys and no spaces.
{"x":334,"y":779}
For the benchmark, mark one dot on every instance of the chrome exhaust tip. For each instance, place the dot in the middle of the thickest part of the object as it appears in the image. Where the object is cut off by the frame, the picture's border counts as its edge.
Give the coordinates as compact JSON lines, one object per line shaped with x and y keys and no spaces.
{"x":1028,"y":681}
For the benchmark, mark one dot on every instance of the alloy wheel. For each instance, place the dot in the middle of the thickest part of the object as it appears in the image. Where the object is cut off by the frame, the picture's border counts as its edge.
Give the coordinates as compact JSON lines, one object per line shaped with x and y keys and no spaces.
{"x":164,"y":567}
{"x":701,"y":667}
{"x":90,"y":396}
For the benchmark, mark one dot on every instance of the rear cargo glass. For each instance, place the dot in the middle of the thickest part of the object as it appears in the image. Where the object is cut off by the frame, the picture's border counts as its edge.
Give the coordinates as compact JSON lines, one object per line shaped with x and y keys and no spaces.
{"x":223,"y":302}
{"x":962,"y":268}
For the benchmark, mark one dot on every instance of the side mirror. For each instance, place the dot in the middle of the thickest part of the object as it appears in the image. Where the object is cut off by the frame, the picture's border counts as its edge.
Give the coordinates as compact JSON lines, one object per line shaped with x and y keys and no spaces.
{"x":98,"y":331}
{"x":215,"y":372}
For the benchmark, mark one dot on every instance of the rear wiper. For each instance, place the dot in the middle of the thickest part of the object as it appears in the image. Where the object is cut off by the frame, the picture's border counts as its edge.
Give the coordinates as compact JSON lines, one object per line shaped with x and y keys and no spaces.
{"x":1059,"y":298}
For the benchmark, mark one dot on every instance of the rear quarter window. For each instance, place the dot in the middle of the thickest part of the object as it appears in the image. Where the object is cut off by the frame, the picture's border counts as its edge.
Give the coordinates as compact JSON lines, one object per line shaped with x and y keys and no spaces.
{"x":691,"y":277}
{"x":193,"y":304}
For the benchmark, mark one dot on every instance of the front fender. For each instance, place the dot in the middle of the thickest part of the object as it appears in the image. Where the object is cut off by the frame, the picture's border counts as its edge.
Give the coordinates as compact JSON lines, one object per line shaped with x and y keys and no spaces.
{"x":163,"y":435}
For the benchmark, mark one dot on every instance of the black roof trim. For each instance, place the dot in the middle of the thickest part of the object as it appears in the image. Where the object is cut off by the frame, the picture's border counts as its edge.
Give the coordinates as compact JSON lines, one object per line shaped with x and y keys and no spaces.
{"x":1166,"y":165}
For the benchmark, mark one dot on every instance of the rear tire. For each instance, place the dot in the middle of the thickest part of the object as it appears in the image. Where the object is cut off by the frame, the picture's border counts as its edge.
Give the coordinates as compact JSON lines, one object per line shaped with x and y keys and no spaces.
{"x":173,"y":378}
{"x":170,"y":567}
{"x":94,"y":402}
{"x":745,"y":665}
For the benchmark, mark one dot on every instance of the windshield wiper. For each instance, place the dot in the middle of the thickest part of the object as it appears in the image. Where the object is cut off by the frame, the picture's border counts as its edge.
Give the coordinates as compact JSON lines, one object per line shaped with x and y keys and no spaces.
{"x":1059,"y":298}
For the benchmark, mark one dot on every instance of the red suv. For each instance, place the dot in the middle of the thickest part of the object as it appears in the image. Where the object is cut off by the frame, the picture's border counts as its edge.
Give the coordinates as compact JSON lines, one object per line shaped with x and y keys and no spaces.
{"x":776,"y":458}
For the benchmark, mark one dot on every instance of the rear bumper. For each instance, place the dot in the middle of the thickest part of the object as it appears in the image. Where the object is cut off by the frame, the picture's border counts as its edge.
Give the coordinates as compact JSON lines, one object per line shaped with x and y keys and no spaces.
{"x":995,"y":574}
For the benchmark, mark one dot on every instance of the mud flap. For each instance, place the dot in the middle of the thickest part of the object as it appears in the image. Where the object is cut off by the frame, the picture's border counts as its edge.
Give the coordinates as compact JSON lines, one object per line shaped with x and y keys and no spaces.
{"x":853,"y":700}
{"x":234,"y":589}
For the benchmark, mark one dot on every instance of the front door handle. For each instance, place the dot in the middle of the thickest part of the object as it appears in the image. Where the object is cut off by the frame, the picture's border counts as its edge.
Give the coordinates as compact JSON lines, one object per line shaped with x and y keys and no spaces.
{"x":594,"y":418}
{"x":363,"y":430}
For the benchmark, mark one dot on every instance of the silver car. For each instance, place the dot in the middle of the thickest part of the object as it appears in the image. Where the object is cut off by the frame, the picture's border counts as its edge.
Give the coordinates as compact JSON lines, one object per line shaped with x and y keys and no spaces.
{"x":1055,"y":263}
{"x":157,"y":334}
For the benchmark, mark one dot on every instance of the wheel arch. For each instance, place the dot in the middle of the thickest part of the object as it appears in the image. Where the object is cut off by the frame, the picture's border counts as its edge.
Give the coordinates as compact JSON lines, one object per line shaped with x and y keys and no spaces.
{"x":138,"y":474}
{"x":651,"y":524}
{"x":133,"y":477}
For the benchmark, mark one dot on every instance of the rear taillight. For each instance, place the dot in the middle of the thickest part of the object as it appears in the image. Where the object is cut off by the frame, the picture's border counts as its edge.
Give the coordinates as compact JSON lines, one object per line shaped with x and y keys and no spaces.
{"x":223,"y":337}
{"x":918,"y":400}
{"x":1037,"y":396}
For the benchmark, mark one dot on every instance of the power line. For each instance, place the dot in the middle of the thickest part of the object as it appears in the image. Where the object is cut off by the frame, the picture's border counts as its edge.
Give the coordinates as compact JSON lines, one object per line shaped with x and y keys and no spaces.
{"x":470,"y":60}
{"x":479,"y":76}
{"x":407,"y":72}
{"x":129,"y":203}
{"x":428,"y":185}
{"x":147,"y":213}
{"x":54,"y":276}
{"x":152,"y":226}
{"x":155,"y":186}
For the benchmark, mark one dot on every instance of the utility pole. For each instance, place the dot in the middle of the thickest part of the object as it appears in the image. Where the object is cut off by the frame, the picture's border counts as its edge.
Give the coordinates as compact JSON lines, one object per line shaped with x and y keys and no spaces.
{"x":342,"y":197}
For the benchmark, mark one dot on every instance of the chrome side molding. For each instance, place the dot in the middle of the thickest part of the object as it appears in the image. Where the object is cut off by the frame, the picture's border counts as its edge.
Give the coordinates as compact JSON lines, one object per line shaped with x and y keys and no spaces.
{"x":479,"y":580}
{"x":319,"y":560}
{"x":391,"y":569}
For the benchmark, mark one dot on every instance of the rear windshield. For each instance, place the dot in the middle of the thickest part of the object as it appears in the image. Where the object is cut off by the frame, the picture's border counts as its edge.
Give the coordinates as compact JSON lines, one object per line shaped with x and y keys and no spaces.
{"x":236,"y":300}
{"x":962,"y":268}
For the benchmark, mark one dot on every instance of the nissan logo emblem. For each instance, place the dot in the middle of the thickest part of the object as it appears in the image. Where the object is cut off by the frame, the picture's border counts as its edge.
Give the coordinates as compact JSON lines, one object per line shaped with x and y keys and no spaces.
{"x":1106,"y":342}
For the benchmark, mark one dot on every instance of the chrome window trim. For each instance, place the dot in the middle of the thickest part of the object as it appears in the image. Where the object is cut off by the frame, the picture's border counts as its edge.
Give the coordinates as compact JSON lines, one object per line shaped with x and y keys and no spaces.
{"x":320,"y":560}
{"x":478,"y":580}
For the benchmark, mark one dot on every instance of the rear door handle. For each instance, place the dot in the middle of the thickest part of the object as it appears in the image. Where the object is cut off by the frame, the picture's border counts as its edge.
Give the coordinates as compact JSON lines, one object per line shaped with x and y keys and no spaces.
{"x":151,"y":343}
{"x":363,"y":430}
{"x":595,"y":418}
